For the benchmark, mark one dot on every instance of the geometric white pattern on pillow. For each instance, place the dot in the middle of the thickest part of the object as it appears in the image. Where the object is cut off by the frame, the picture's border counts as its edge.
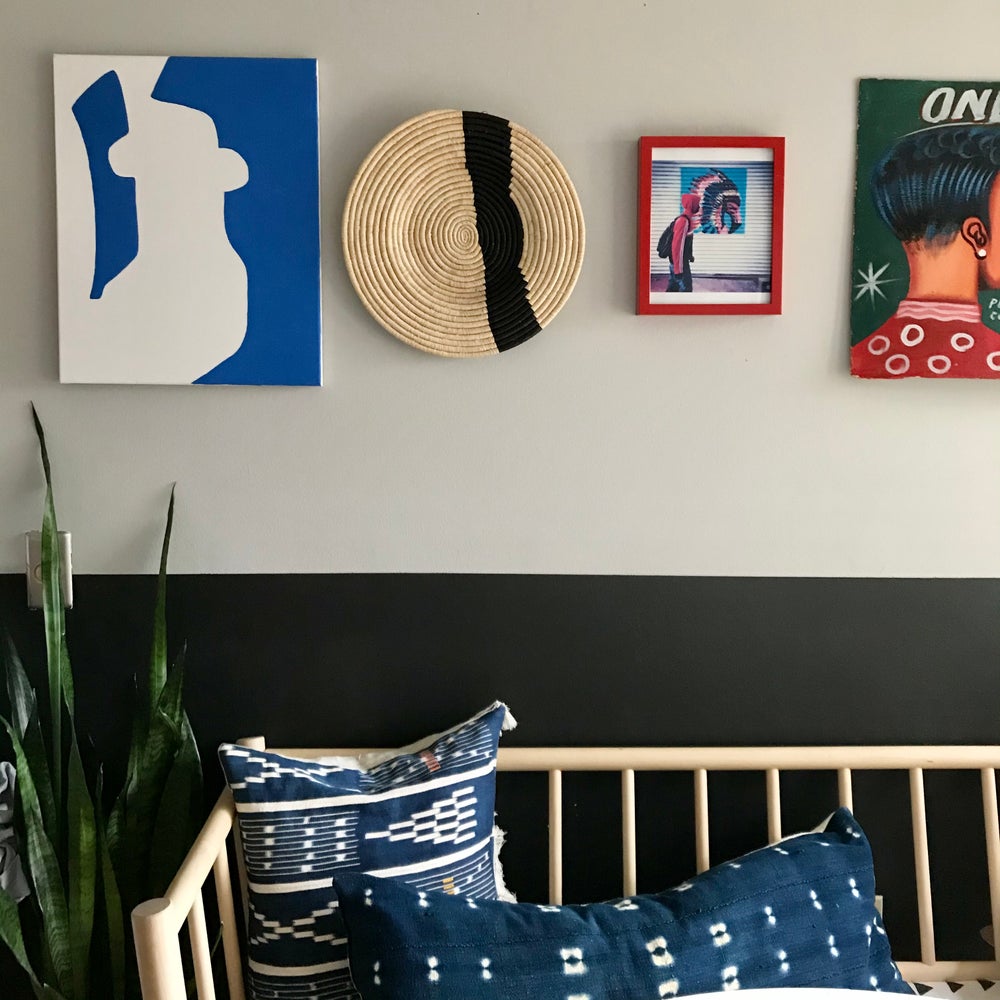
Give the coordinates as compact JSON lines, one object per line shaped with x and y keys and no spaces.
{"x":422,"y":814}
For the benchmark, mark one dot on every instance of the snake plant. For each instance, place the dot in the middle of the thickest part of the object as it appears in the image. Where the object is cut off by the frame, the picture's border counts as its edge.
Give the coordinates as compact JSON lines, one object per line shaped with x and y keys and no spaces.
{"x":90,"y":858}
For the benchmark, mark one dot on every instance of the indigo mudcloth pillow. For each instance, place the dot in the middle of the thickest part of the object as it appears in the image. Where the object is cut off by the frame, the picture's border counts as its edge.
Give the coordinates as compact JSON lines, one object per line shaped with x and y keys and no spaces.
{"x":422,"y":815}
{"x":798,"y":913}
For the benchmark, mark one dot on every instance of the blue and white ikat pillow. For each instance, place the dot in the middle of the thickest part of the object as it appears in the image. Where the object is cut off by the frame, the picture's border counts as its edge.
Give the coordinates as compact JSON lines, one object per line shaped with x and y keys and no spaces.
{"x":422,"y":815}
{"x":798,"y":913}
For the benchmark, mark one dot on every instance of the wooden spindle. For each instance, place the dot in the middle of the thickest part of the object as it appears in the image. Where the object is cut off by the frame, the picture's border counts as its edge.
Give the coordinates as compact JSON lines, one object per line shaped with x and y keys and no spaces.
{"x":845,"y":788}
{"x":921,"y":859}
{"x":555,"y":838}
{"x":201,"y":950}
{"x":701,"y":849}
{"x":990,"y":817}
{"x":158,"y":950}
{"x":227,"y":917}
{"x":773,"y":805}
{"x":629,"y":868}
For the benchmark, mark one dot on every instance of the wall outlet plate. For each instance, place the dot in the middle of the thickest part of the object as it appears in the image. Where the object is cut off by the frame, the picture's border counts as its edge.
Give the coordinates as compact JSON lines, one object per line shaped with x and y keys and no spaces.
{"x":33,"y":567}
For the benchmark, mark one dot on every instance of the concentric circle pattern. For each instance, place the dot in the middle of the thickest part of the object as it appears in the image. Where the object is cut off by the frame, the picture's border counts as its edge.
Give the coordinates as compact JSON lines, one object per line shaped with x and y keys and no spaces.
{"x":463,"y":233}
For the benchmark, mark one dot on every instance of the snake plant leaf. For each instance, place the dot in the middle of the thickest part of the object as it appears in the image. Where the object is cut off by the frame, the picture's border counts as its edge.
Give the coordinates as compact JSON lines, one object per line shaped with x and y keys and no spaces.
{"x":48,"y":973}
{"x":44,"y":867}
{"x":12,"y":936}
{"x":165,"y":730}
{"x":19,"y":689}
{"x":177,"y":819}
{"x":170,"y":705}
{"x":82,"y":842}
{"x":146,"y":709}
{"x":24,"y":706}
{"x":60,"y":676}
{"x":43,"y":992}
{"x":46,"y":467}
{"x":142,"y":797}
{"x":112,"y":899}
{"x":87,"y":874}
{"x":158,"y":653}
{"x":34,"y":750}
{"x":116,"y":819}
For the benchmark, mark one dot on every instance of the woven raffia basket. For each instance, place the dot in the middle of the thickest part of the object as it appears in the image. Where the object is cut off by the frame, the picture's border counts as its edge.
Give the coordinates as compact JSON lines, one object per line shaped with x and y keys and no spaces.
{"x":463,"y":233}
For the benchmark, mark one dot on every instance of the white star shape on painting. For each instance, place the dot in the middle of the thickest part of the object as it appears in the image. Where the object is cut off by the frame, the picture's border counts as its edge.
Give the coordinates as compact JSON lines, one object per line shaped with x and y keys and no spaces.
{"x":871,"y":282}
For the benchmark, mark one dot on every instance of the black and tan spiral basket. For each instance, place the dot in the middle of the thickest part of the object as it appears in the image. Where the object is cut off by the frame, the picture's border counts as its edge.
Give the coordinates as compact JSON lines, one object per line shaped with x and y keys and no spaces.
{"x":463,"y":233}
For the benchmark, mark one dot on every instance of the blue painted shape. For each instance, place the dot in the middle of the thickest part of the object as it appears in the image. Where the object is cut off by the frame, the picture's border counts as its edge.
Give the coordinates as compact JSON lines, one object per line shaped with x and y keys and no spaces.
{"x":103,"y":119}
{"x":266,"y":110}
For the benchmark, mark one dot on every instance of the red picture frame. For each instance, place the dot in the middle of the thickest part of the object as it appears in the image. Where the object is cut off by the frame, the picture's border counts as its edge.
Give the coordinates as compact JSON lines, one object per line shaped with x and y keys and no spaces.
{"x":720,"y":198}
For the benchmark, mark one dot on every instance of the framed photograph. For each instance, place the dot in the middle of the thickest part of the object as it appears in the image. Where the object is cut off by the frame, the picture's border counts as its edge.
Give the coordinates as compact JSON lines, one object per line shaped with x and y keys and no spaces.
{"x":710,"y":224}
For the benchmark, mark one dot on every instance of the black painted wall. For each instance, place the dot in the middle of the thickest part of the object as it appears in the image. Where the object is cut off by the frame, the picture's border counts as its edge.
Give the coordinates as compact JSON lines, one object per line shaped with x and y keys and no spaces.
{"x":384,"y":659}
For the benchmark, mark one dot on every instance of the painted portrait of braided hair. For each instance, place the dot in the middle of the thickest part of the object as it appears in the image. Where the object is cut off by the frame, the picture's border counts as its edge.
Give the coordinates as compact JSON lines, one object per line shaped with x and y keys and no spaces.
{"x":721,"y":204}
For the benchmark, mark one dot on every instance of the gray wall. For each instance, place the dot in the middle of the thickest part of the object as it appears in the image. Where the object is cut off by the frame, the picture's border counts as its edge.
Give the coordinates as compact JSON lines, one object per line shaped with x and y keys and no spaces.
{"x":704,"y":446}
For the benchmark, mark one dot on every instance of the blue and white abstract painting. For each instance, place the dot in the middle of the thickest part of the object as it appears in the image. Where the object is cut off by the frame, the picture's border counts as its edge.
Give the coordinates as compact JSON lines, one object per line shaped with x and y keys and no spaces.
{"x":188,"y":198}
